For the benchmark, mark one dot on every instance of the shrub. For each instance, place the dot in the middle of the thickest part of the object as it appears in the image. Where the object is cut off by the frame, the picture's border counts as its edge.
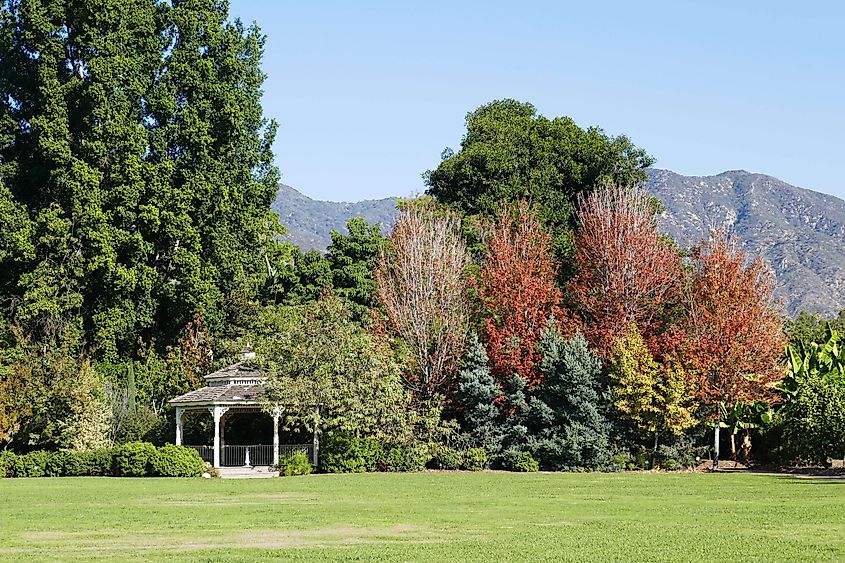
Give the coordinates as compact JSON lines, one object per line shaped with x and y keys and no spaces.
{"x":97,"y":462}
{"x":7,"y":464}
{"x":474,"y":459}
{"x":33,"y":464}
{"x":405,"y":457}
{"x":133,"y":459}
{"x":295,"y":464}
{"x":444,"y":457}
{"x":58,"y":463}
{"x":521,"y":461}
{"x":346,"y":454}
{"x":176,"y":461}
{"x":620,"y":461}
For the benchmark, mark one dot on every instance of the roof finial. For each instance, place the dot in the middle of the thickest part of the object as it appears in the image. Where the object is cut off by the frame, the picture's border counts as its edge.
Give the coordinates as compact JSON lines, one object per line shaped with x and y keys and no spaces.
{"x":247,"y":354}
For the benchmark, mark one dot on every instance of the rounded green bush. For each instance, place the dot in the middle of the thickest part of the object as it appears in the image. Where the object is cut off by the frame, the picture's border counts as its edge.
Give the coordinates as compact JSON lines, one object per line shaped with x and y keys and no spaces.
{"x":444,"y":457}
{"x":522,"y":462}
{"x":295,"y":464}
{"x":7,"y":464}
{"x":133,"y":459}
{"x":176,"y":461}
{"x":33,"y":464}
{"x":474,"y":459}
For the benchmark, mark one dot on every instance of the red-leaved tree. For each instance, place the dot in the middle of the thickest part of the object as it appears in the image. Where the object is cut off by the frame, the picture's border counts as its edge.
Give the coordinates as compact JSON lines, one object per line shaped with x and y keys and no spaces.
{"x":518,"y":292}
{"x":626,"y":271}
{"x":734,"y":335}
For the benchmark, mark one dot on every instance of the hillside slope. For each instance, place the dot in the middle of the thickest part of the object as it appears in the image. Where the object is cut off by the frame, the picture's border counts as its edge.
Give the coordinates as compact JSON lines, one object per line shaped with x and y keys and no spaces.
{"x":800,"y":233}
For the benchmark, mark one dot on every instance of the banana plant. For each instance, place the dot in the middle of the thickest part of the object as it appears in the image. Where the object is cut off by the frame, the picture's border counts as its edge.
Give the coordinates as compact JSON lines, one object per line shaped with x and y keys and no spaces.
{"x":745,"y":417}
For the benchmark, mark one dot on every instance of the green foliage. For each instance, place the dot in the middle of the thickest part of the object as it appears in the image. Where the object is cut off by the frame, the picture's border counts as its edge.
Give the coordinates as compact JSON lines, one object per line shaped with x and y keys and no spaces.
{"x":295,"y":464}
{"x":137,"y":164}
{"x":302,"y":278}
{"x":7,"y":464}
{"x":133,"y":459}
{"x":352,"y":259}
{"x":176,"y":461}
{"x":33,"y":464}
{"x":474,"y":459}
{"x":444,"y":457}
{"x":567,"y":428}
{"x":404,"y":457}
{"x":316,"y":354}
{"x":521,"y":461}
{"x":510,"y":153}
{"x":813,"y":416}
{"x":340,"y":453}
{"x":477,"y":390}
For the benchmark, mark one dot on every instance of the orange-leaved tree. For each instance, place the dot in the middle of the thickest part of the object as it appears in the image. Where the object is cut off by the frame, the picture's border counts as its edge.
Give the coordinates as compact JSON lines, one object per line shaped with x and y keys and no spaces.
{"x":518,"y":292}
{"x":421,"y":284}
{"x":734,"y":337}
{"x":626,"y":271}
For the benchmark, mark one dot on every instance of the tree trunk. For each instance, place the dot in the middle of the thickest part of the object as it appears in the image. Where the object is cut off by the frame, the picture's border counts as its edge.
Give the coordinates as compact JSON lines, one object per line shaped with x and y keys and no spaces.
{"x":733,"y":446}
{"x":655,"y":440}
{"x":716,"y":443}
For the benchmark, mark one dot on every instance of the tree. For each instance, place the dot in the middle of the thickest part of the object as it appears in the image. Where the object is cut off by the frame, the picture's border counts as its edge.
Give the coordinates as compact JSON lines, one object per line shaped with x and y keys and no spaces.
{"x":510,"y":153}
{"x":133,"y":138}
{"x":733,"y":333}
{"x":626,"y":271}
{"x":656,"y":398}
{"x":316,"y":355}
{"x":352,"y":259}
{"x":422,"y":288}
{"x":476,"y":395}
{"x":566,"y":419}
{"x":813,"y":413}
{"x":518,"y":293}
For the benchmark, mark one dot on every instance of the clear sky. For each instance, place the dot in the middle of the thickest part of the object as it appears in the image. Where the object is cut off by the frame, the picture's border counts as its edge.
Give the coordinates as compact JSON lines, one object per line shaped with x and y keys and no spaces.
{"x":368,"y":94}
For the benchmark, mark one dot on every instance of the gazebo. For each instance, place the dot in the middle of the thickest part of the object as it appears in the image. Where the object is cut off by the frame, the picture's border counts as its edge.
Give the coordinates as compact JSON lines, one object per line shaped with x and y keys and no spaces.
{"x":236,"y":389}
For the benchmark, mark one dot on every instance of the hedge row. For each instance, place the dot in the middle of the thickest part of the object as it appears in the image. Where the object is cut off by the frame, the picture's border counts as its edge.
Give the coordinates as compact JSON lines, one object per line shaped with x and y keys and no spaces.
{"x":135,"y":459}
{"x":346,"y":454}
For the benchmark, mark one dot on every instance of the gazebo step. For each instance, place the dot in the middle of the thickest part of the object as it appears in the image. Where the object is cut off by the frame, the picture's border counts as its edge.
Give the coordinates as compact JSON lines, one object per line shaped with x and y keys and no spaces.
{"x":256,"y":472}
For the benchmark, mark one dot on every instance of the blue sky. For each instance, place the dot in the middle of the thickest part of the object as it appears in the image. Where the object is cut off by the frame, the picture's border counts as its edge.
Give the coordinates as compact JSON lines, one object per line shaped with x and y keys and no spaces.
{"x":368,"y":94}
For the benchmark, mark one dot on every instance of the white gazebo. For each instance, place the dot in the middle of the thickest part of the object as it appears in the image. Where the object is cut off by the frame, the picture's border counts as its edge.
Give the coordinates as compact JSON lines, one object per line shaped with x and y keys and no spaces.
{"x":236,"y":389}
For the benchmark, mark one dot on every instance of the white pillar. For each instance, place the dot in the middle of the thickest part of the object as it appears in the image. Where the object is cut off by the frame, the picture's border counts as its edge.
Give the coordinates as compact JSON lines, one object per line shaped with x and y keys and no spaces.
{"x":217,"y":413}
{"x":179,"y":412}
{"x":276,"y":437}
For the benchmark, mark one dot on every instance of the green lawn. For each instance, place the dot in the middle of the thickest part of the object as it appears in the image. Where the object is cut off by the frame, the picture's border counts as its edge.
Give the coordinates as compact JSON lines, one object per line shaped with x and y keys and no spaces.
{"x":427,"y":516}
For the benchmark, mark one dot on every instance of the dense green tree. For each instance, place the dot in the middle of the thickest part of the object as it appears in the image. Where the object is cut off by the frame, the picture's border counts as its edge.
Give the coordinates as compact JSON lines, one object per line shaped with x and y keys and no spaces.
{"x":813,"y":415}
{"x":137,"y":163}
{"x":352,"y":259}
{"x":808,"y":328}
{"x":509,"y":153}
{"x":476,"y":396}
{"x":316,"y":354}
{"x":566,"y":418}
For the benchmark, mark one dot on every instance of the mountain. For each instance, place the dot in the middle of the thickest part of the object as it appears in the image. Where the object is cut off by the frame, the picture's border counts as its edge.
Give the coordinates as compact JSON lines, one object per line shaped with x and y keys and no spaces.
{"x":310,"y":222}
{"x":799,"y":233}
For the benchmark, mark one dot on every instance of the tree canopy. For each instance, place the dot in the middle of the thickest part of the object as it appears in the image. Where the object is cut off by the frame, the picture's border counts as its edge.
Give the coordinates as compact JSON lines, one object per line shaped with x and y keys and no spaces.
{"x":510,"y":153}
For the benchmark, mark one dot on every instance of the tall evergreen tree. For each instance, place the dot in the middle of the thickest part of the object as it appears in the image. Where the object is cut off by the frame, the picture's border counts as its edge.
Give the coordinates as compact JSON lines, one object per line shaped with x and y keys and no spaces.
{"x":353,"y":259}
{"x":131,"y":133}
{"x":476,"y":396}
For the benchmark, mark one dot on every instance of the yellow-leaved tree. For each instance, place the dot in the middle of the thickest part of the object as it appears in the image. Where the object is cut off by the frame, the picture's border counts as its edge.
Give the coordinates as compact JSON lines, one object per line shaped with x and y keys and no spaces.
{"x":656,"y":398}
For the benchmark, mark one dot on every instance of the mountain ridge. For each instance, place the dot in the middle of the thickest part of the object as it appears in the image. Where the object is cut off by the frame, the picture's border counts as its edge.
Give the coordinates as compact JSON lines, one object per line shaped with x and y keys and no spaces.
{"x":800,"y":233}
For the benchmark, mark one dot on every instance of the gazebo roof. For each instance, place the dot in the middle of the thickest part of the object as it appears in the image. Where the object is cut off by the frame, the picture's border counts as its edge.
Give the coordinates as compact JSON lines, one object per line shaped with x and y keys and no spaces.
{"x":239,"y":384}
{"x":221,"y":395}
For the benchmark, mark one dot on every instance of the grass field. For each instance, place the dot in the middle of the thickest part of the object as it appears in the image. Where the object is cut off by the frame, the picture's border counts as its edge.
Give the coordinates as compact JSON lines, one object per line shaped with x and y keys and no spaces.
{"x":426,"y":516}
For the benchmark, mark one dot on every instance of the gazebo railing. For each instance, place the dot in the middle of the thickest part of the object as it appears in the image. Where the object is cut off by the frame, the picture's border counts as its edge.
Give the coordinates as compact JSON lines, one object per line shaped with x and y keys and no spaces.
{"x":235,"y":456}
{"x":206,"y":452}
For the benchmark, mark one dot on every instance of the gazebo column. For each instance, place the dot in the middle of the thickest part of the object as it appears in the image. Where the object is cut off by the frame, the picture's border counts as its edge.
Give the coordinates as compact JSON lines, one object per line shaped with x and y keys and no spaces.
{"x":217,"y":413}
{"x":276,"y":414}
{"x":179,"y":413}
